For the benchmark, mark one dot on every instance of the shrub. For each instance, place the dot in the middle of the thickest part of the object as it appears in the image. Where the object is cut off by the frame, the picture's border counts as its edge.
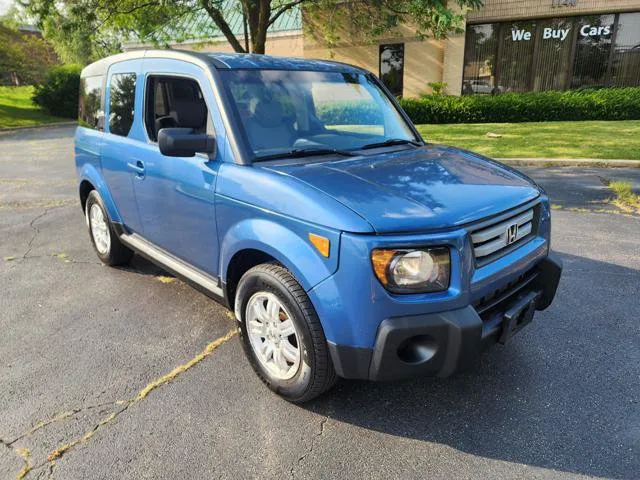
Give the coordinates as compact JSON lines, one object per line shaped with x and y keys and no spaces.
{"x":59,"y":93}
{"x":438,"y":88}
{"x":600,"y":104}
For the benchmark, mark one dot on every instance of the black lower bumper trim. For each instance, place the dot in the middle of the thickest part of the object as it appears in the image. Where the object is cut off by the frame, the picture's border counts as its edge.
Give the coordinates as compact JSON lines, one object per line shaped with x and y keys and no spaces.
{"x":548,"y":280}
{"x":443,"y":343}
{"x":351,"y":362}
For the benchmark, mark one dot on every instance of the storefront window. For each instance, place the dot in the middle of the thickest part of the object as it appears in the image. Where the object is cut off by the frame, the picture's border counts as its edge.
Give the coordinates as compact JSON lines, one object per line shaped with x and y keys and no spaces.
{"x":551,"y":67}
{"x":392,"y":67}
{"x":552,"y":54}
{"x":480,"y":65}
{"x":515,"y":62}
{"x":625,"y":64}
{"x":593,"y":50}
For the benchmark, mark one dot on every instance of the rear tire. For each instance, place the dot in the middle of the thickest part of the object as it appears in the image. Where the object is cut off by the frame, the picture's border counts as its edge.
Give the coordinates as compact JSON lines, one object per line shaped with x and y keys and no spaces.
{"x":104,"y":237}
{"x":282,"y":335}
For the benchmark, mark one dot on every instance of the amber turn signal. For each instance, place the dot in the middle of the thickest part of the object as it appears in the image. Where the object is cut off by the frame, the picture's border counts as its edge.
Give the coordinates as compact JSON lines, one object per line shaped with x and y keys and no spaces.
{"x":381,"y":260}
{"x":321,"y":243}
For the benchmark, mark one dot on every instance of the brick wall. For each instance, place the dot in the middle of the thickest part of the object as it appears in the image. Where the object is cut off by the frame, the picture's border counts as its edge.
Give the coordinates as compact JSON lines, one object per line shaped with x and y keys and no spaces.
{"x":497,"y":10}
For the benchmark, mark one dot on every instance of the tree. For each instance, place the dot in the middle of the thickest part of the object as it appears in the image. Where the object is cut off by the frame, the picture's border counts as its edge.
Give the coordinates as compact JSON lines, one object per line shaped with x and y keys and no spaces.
{"x":25,"y":57}
{"x":87,"y":26}
{"x":72,"y":27}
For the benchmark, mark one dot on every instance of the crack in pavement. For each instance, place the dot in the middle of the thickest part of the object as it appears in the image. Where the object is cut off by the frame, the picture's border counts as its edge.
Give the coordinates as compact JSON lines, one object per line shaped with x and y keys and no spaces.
{"x":55,"y":455}
{"x":292,"y":472}
{"x":23,"y":453}
{"x":57,"y":418}
{"x":62,"y":257}
{"x":36,"y":232}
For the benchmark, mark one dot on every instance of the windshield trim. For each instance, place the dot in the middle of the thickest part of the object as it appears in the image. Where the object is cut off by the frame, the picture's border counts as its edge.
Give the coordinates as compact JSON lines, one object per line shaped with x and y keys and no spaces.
{"x":418,"y":138}
{"x":305,"y":153}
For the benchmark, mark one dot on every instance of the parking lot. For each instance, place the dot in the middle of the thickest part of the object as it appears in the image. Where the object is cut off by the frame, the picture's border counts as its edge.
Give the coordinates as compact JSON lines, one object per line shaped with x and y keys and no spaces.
{"x":85,"y":353}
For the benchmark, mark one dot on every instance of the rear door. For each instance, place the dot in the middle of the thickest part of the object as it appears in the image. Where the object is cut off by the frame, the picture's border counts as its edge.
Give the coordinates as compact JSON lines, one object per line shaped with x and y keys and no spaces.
{"x":89,"y":136}
{"x":120,"y":163}
{"x":176,"y":194}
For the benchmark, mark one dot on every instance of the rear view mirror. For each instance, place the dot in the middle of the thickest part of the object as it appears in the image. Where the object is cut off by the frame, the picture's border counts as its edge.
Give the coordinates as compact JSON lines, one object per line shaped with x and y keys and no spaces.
{"x":183,"y":142}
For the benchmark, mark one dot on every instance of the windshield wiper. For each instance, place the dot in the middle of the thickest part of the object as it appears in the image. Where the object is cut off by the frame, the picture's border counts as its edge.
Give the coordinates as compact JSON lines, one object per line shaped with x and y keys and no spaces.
{"x":390,"y":142}
{"x":305,"y":152}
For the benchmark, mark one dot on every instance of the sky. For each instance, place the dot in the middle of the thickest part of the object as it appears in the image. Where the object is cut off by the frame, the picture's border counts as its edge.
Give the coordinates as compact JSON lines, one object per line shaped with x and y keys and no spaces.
{"x":4,"y":5}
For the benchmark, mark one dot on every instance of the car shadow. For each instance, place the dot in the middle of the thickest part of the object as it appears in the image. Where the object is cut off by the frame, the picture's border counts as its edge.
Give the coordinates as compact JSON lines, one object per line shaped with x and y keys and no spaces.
{"x":562,"y":395}
{"x":141,"y":265}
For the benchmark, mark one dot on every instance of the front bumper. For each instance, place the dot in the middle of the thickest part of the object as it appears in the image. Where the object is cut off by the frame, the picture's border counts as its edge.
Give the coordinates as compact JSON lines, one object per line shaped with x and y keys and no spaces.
{"x":442,"y":343}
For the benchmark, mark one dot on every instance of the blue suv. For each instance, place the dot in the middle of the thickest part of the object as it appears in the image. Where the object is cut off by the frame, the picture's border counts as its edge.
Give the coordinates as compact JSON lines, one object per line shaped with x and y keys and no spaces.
{"x":300,"y":195}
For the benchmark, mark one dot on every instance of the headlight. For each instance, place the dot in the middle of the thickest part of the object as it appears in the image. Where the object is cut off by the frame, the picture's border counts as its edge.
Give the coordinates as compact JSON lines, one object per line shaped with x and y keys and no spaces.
{"x":412,"y":270}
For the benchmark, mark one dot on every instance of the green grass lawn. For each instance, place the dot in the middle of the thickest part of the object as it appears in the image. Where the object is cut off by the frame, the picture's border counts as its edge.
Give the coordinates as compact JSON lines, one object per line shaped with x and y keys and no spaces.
{"x":612,"y":140}
{"x":16,"y":109}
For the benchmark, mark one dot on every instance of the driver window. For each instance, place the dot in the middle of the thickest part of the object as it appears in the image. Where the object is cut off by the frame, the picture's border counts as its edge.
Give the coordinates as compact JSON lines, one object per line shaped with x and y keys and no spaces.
{"x":174,"y":102}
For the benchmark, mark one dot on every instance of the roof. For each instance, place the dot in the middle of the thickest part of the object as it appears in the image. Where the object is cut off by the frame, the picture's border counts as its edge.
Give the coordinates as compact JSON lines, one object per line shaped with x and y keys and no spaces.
{"x":224,"y":61}
{"x":252,"y":61}
{"x":197,"y":25}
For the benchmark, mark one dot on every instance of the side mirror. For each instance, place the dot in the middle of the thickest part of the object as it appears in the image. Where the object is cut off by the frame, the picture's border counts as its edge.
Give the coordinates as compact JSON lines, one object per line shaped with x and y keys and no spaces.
{"x":182,"y":142}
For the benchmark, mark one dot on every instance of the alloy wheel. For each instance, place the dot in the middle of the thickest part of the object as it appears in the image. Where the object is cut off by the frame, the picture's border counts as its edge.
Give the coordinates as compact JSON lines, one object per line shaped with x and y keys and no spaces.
{"x":273,"y":335}
{"x":99,"y":229}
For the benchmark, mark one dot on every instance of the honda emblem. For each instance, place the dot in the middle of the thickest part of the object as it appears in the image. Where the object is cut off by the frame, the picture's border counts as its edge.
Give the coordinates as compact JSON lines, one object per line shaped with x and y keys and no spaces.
{"x":512,"y":233}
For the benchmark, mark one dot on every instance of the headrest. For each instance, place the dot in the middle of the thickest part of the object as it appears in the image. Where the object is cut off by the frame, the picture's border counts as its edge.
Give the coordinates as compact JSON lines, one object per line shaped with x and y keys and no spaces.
{"x":269,"y":114}
{"x":165,"y":122}
{"x":189,"y":113}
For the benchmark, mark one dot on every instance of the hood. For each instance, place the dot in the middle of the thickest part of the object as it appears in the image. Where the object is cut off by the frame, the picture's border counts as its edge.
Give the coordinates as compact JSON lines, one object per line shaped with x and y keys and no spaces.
{"x":418,"y":189}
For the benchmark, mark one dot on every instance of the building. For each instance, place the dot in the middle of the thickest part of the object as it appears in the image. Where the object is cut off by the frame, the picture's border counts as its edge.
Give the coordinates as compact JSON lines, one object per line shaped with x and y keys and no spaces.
{"x":552,"y":45}
{"x":508,"y":46}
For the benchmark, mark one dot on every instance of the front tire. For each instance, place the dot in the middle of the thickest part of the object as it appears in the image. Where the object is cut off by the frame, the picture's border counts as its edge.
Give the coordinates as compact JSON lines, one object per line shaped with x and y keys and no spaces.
{"x":282,"y":335}
{"x":104,"y":237}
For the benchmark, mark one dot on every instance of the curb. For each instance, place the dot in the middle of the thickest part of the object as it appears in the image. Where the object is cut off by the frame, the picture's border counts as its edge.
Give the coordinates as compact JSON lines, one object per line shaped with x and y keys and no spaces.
{"x":33,"y":127}
{"x":569,"y":162}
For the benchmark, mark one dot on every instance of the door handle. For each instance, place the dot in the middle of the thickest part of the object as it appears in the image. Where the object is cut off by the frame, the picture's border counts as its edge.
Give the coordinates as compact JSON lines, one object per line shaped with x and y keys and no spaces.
{"x":137,"y":167}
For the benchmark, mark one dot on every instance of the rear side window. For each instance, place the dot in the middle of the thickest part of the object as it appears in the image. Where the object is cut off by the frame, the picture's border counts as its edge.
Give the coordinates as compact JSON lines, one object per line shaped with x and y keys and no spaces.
{"x":174,"y":102}
{"x":122,"y":97}
{"x":90,"y":114}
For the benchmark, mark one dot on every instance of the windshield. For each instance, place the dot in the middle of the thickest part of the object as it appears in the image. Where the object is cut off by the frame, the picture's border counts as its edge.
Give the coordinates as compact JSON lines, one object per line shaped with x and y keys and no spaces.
{"x":284,"y":112}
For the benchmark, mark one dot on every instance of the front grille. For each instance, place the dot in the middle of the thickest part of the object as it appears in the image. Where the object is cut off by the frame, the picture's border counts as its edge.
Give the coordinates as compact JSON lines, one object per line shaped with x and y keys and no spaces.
{"x":492,"y":241}
{"x":495,"y":302}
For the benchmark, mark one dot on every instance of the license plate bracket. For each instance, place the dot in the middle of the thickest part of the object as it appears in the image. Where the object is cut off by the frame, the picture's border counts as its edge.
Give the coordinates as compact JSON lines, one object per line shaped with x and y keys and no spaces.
{"x":518,"y":315}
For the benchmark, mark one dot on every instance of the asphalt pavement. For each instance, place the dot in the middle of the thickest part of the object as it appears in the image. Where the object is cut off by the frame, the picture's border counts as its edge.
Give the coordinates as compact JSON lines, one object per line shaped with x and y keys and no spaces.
{"x":129,"y":373}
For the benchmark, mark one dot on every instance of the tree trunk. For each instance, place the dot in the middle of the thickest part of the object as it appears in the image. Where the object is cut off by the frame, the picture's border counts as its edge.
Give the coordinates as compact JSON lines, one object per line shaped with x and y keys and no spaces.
{"x":218,"y":19}
{"x":259,"y":42}
{"x":258,"y":12}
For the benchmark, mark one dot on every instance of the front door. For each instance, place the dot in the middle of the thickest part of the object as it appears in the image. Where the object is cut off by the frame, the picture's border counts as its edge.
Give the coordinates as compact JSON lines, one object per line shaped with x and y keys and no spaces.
{"x":175,"y":195}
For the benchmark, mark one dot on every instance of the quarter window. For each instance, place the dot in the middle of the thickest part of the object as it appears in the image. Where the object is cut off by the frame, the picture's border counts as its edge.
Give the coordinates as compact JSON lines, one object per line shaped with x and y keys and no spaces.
{"x":121,"y":103}
{"x":90,"y":114}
